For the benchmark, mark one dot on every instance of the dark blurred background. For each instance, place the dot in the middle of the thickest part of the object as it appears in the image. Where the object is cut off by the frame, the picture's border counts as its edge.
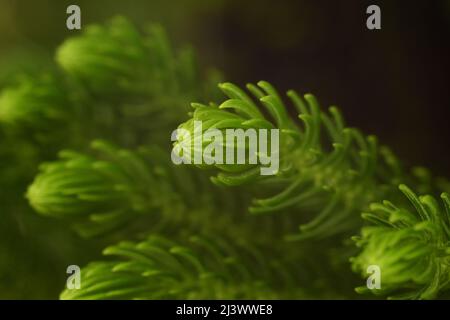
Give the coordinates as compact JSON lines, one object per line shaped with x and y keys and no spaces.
{"x":391,"y":82}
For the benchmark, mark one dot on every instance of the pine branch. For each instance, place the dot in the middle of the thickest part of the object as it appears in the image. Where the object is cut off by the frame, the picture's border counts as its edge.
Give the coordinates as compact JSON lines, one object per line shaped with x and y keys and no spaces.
{"x":409,"y":244}
{"x":131,"y":88}
{"x":111,"y":189}
{"x":105,"y":190}
{"x":332,"y":175}
{"x":116,"y":84}
{"x":138,"y":76}
{"x":202,"y":268}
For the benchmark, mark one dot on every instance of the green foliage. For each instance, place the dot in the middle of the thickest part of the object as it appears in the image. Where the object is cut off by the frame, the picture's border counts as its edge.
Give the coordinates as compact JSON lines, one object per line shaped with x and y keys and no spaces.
{"x":34,"y":102}
{"x":117,"y":59}
{"x":134,"y":78}
{"x":107,"y":191}
{"x":108,"y":57}
{"x":204,"y":268}
{"x":45,"y":109}
{"x":333,"y":174}
{"x":106,"y":115}
{"x":410,"y":245}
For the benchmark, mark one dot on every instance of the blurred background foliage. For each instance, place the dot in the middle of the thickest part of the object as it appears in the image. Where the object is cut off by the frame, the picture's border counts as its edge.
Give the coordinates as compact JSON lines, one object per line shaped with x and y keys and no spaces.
{"x":392,"y":83}
{"x":378,"y":78}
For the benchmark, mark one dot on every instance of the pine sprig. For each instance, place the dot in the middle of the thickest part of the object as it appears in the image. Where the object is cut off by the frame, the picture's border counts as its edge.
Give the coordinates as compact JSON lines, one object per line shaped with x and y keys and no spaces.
{"x":326,"y":168}
{"x":132,"y":88}
{"x":111,"y":189}
{"x":108,"y":187}
{"x":143,"y":83}
{"x":41,"y":110}
{"x":33,"y":101}
{"x":409,"y":244}
{"x":202,"y":268}
{"x":108,"y":57}
{"x":108,"y":191}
